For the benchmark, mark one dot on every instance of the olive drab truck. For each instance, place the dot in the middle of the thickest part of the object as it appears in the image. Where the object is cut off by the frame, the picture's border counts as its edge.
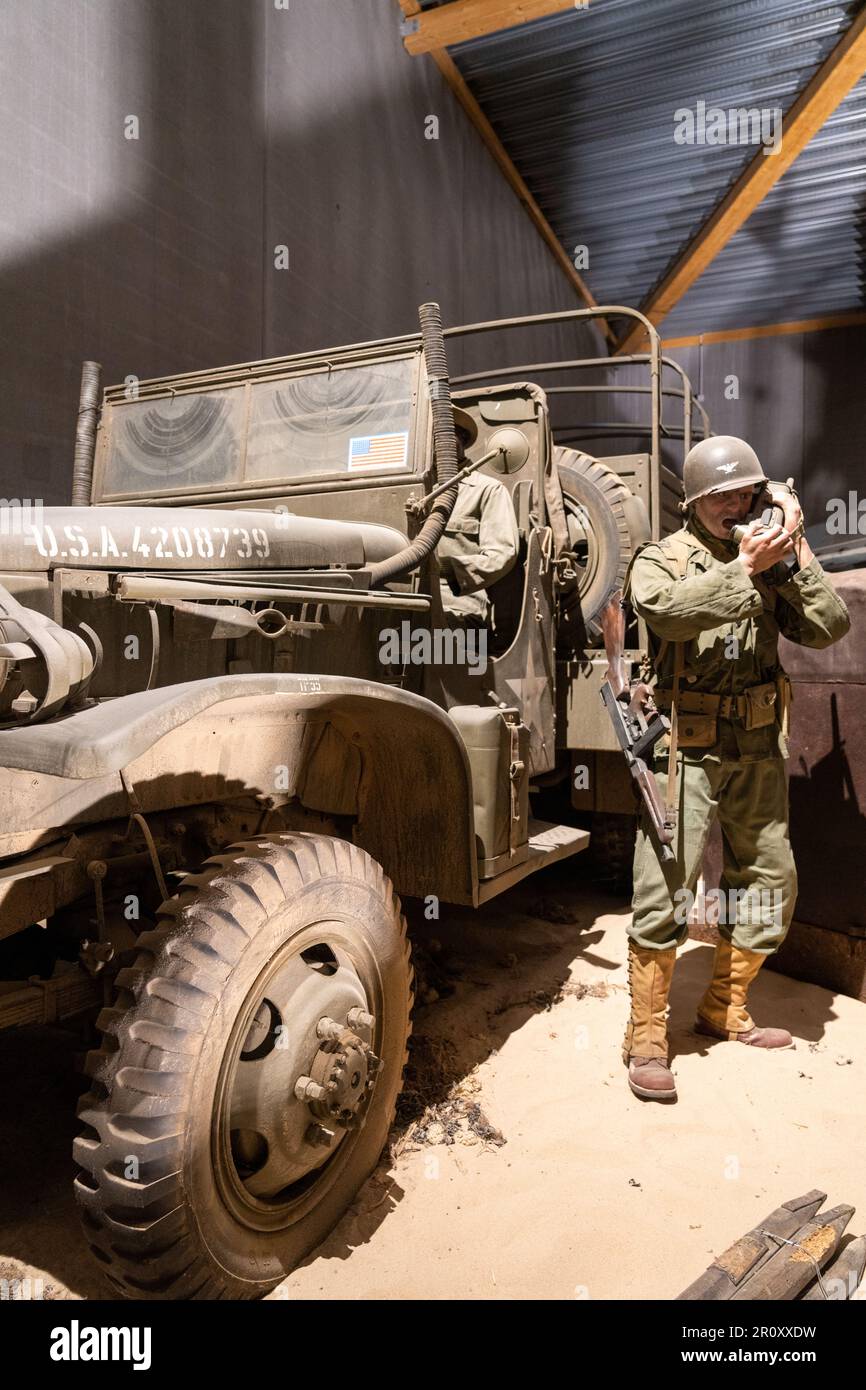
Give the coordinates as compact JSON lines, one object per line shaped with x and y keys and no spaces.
{"x":235,"y":724}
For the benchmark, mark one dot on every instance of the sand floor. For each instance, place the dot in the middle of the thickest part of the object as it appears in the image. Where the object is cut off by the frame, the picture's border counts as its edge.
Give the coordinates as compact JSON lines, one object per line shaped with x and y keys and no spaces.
{"x":594,"y":1194}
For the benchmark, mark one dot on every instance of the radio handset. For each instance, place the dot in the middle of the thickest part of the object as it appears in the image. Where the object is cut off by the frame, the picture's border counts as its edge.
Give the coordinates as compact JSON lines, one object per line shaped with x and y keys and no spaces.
{"x":769,"y":513}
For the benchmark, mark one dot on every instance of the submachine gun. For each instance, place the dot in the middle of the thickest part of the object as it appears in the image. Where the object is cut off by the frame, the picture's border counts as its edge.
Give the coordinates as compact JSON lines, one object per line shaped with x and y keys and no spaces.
{"x":637,"y":723}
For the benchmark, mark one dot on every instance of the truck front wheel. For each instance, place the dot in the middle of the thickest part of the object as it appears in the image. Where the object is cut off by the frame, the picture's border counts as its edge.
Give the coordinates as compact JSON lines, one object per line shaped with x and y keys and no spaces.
{"x":248,"y":1072}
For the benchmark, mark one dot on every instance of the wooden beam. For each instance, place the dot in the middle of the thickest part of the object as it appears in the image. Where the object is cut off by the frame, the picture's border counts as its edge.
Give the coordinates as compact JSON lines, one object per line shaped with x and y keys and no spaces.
{"x":771,"y":330}
{"x":449,"y":70}
{"x":835,"y":78}
{"x":472,"y":19}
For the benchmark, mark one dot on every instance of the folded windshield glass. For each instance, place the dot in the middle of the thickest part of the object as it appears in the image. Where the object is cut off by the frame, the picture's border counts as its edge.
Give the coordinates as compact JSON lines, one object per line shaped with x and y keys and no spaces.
{"x":328,"y":422}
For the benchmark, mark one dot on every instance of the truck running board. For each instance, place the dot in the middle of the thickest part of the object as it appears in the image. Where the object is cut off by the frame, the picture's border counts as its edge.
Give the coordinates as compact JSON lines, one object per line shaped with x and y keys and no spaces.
{"x":547,"y":843}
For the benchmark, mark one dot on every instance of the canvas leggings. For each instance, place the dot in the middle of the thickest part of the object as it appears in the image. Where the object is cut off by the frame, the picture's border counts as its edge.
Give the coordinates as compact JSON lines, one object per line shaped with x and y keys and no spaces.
{"x":759,"y":877}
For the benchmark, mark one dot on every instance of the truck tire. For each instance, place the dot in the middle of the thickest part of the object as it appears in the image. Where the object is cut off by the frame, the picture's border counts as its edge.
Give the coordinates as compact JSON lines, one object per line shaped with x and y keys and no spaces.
{"x":228,"y":1128}
{"x":597,"y":511}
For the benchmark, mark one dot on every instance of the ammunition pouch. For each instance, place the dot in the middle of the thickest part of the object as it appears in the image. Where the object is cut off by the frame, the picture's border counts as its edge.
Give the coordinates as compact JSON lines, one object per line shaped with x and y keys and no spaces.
{"x":760,"y":706}
{"x":699,"y":712}
{"x":697,"y":730}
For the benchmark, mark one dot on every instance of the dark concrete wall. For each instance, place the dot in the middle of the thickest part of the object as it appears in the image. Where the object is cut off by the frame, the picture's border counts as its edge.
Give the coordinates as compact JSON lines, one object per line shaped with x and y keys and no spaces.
{"x":259,"y":127}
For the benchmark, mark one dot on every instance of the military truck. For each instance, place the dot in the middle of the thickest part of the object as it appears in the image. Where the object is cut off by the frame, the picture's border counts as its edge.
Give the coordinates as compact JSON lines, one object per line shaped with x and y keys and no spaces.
{"x":216,"y":776}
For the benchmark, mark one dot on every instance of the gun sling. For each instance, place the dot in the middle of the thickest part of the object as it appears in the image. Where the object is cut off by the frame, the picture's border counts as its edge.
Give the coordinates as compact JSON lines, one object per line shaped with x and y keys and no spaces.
{"x":671,"y":797}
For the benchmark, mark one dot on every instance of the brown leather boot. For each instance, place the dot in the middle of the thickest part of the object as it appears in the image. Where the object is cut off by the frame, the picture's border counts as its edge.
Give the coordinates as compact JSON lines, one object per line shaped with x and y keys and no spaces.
{"x":645,"y":1047}
{"x":722,"y":1012}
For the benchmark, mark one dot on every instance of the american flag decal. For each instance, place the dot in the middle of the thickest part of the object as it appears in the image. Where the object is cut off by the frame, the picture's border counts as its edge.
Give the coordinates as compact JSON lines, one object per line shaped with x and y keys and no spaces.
{"x":378,"y":451}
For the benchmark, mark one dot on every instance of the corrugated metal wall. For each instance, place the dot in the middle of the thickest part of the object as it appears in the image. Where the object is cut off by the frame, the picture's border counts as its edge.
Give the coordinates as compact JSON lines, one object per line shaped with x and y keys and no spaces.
{"x":587,"y":104}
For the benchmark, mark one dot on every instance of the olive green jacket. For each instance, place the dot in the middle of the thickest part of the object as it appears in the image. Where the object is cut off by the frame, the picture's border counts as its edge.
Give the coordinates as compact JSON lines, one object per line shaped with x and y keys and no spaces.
{"x":479,"y":546}
{"x":729,"y":625}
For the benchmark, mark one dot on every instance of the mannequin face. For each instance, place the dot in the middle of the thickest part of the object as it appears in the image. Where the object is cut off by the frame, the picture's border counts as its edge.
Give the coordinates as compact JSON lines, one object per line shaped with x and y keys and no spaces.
{"x":722,"y":510}
{"x":461,"y":446}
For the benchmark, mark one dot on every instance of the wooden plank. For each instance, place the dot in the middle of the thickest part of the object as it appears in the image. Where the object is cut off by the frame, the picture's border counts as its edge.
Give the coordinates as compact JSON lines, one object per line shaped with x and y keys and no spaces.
{"x":842,"y":1276}
{"x":456,"y":82}
{"x":835,"y":78}
{"x":472,"y":19}
{"x":728,"y":1270}
{"x":792,"y":1267}
{"x":772,"y":330}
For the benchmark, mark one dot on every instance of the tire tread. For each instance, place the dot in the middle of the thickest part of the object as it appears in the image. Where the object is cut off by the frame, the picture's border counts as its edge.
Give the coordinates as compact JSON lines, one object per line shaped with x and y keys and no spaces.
{"x":140,"y":1231}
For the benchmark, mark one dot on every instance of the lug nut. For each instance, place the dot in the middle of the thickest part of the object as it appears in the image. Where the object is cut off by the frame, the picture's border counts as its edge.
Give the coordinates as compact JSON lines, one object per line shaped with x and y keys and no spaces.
{"x":308,"y":1089}
{"x":358,"y":1018}
{"x":317,"y":1136}
{"x":328,"y":1030}
{"x":25,"y":703}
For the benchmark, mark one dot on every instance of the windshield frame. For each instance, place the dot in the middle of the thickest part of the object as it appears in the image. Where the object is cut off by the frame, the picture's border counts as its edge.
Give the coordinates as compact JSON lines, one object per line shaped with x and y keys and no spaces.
{"x":241,"y":487}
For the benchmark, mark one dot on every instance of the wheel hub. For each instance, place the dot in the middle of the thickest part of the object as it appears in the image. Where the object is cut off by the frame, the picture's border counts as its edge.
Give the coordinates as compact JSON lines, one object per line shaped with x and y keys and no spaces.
{"x":343,"y":1071}
{"x":299,"y":1076}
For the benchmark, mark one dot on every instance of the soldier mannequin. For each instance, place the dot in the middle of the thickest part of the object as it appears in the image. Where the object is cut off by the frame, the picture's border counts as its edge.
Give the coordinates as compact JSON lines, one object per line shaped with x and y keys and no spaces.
{"x":715,"y":611}
{"x":481,"y":539}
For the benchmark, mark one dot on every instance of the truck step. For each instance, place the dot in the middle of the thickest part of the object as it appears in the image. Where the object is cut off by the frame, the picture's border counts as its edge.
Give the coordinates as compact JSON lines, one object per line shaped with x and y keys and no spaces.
{"x":547,"y":843}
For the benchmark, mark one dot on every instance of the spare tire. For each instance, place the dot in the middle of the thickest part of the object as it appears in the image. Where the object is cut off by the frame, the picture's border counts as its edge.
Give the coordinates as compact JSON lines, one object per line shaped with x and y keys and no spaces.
{"x":597,"y":508}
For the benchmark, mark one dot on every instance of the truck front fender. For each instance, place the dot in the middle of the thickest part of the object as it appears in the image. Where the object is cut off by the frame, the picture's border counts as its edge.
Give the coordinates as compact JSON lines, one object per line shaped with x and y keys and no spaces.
{"x":393,"y":762}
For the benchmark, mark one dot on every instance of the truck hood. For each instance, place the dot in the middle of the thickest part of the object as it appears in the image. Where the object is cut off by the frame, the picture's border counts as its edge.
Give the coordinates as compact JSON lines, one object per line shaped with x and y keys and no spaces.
{"x":190,"y":538}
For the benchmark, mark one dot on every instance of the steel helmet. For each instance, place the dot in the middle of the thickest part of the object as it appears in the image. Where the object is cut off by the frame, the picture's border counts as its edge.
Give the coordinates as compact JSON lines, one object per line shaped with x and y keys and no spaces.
{"x":719,"y":464}
{"x":464,"y":421}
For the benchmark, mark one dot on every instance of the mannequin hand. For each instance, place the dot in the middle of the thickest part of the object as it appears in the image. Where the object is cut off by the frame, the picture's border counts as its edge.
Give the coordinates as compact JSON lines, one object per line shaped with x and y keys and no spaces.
{"x":789,"y":503}
{"x":763,"y":547}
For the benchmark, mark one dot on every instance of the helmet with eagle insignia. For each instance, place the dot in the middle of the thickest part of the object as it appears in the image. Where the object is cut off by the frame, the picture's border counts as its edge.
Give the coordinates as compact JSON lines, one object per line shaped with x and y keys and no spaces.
{"x":718,"y":464}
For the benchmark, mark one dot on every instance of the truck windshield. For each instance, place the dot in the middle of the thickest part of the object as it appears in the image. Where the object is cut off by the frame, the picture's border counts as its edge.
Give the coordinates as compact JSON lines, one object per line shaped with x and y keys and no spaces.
{"x":328,"y":422}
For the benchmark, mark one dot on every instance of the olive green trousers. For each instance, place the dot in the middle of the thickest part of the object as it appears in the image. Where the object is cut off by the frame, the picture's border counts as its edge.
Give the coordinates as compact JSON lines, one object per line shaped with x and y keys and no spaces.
{"x":759,"y":879}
